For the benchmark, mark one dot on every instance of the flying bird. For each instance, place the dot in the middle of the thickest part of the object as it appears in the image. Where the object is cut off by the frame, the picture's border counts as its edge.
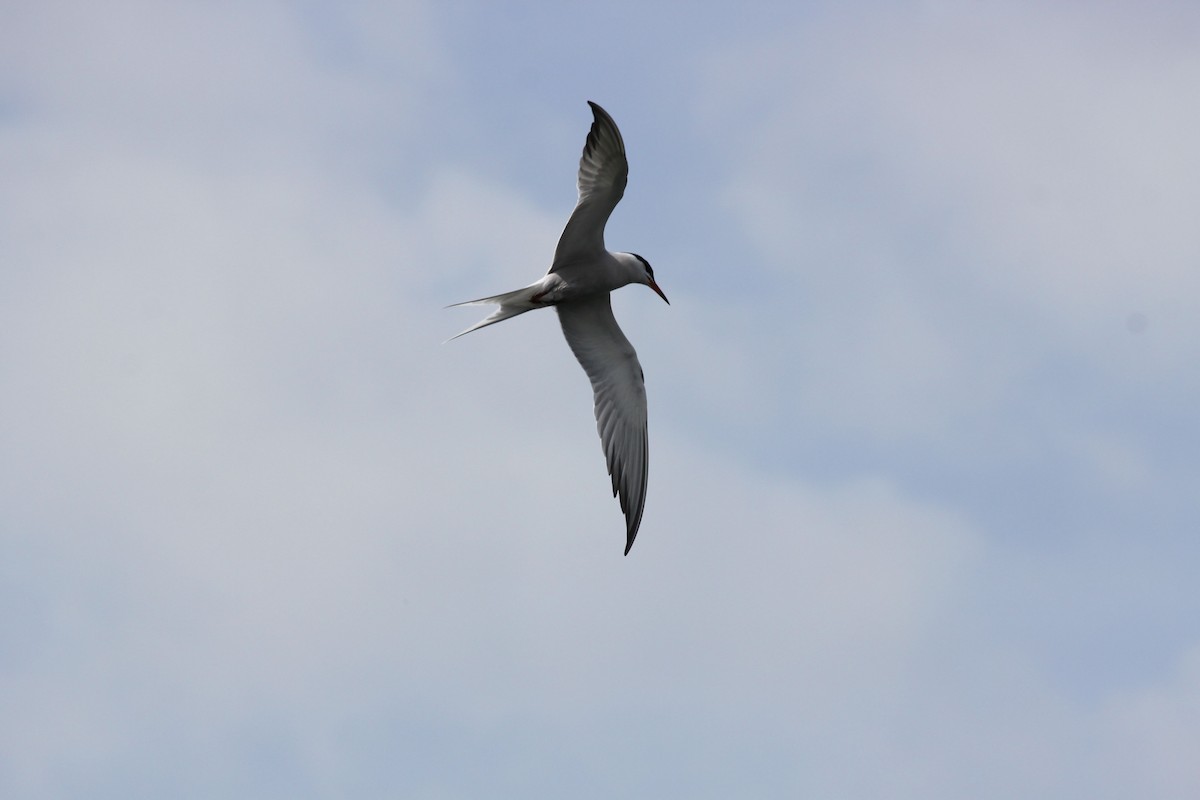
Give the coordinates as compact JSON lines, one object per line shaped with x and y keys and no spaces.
{"x":578,"y":284}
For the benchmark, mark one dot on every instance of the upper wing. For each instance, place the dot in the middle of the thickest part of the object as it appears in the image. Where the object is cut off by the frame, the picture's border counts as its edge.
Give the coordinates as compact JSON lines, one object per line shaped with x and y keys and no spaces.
{"x":603,"y":172}
{"x":612,"y":365}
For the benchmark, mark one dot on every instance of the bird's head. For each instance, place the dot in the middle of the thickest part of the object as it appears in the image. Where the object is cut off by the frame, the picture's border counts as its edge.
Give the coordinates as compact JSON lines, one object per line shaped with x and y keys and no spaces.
{"x":644,"y":273}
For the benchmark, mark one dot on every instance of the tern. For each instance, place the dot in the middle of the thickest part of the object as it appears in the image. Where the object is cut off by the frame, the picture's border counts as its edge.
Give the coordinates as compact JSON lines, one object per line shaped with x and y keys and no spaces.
{"x":578,"y":284}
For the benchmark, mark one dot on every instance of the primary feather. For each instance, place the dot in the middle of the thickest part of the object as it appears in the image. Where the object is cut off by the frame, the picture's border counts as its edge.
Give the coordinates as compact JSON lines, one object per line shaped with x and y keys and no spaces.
{"x":620,"y":399}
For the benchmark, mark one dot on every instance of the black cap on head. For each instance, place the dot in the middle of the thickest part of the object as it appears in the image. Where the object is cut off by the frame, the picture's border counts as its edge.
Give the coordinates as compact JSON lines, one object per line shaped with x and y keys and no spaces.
{"x":645,"y":263}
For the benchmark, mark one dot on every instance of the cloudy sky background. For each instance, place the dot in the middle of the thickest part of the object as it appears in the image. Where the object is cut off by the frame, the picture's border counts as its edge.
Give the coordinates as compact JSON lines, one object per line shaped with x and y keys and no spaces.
{"x":923,"y":506}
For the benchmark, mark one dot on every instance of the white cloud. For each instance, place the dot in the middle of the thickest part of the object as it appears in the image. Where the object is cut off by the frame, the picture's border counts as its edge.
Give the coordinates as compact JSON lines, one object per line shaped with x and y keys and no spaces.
{"x":1018,"y":176}
{"x":1159,"y":727}
{"x":264,"y":534}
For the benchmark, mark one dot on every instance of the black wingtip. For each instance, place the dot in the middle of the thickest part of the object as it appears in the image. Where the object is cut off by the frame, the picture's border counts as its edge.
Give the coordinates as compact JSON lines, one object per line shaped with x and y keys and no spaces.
{"x":630,"y":536}
{"x":598,"y":113}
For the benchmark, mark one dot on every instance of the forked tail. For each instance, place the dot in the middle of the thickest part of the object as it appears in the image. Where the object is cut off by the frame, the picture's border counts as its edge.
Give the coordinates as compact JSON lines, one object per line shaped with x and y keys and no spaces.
{"x":511,"y":304}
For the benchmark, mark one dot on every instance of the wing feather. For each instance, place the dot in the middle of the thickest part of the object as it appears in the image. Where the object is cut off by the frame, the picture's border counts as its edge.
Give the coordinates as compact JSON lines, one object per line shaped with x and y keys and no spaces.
{"x":603,"y":173}
{"x":620,"y":398}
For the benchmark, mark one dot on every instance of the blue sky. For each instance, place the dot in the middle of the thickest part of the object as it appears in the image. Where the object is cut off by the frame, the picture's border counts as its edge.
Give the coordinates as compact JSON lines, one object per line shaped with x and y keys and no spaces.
{"x":922,"y":514}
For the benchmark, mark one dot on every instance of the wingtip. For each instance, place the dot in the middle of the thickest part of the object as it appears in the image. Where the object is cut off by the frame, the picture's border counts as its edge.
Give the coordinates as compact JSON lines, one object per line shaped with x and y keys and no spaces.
{"x":598,"y":111}
{"x":630,"y":536}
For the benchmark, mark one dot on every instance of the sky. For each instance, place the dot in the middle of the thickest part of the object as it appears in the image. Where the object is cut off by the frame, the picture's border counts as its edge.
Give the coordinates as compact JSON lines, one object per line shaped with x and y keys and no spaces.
{"x":923,"y":514}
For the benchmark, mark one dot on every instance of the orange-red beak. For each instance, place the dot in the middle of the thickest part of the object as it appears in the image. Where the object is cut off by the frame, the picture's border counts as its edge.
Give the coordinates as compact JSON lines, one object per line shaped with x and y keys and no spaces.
{"x":659,"y":291}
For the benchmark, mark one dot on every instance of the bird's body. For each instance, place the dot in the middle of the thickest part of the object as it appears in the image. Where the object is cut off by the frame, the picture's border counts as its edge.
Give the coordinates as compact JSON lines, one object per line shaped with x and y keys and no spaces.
{"x":578,"y":284}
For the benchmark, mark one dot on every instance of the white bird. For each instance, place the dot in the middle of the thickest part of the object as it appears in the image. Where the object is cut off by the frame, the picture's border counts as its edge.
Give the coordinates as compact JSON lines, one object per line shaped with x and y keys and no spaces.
{"x":578,"y":286}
